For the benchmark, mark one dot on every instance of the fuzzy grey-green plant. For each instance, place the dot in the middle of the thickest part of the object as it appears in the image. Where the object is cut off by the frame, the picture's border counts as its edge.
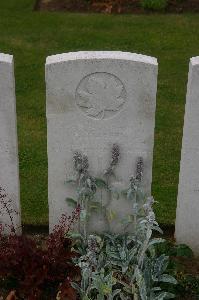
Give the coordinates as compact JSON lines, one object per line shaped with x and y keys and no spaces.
{"x":86,"y":190}
{"x":119,"y":266}
{"x":88,"y":185}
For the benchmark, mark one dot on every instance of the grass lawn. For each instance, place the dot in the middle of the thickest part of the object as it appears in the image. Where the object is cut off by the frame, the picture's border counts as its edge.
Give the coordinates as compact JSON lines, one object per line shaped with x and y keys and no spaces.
{"x":31,"y":36}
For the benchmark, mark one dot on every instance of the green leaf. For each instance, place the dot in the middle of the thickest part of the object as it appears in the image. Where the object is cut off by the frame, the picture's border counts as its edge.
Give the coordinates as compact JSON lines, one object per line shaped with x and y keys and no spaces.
{"x":160,"y":266}
{"x":116,"y":292}
{"x":151,"y":250}
{"x":122,"y":297}
{"x":184,"y":250}
{"x":157,"y":228}
{"x":115,"y":193}
{"x":76,"y":286}
{"x":75,"y":235}
{"x":111,"y":215}
{"x":156,"y":288}
{"x":167,"y":278}
{"x":165,"y":295}
{"x":141,"y":284}
{"x":100,"y":183}
{"x":130,"y":195}
{"x":124,"y":192}
{"x":83,"y":215}
{"x":71,"y":202}
{"x":95,"y":205}
{"x":86,"y":298}
{"x":156,"y":241}
{"x":72,"y":181}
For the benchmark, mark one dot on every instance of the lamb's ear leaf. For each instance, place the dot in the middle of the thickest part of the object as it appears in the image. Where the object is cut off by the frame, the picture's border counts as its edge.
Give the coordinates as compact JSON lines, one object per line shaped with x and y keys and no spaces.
{"x":165,"y":295}
{"x":95,"y":205}
{"x":116,"y":292}
{"x":156,"y":241}
{"x":100,"y":183}
{"x":71,"y":202}
{"x":75,"y":235}
{"x":111,"y":215}
{"x":167,"y":278}
{"x":70,"y":180}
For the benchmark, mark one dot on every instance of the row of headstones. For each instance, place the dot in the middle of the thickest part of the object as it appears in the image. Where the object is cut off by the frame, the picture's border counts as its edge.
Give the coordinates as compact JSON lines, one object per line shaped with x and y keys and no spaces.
{"x":96,"y":99}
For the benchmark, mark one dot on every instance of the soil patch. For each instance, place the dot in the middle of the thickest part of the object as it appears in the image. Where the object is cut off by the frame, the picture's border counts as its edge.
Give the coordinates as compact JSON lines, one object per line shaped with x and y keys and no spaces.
{"x":112,"y":6}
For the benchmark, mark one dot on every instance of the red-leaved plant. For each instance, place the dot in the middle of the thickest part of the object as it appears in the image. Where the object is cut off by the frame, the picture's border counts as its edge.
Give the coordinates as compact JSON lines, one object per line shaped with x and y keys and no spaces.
{"x":40,"y":272}
{"x":6,"y":207}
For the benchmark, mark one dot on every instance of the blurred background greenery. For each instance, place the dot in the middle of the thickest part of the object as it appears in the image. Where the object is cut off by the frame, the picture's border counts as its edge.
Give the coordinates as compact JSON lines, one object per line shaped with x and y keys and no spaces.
{"x":31,"y":36}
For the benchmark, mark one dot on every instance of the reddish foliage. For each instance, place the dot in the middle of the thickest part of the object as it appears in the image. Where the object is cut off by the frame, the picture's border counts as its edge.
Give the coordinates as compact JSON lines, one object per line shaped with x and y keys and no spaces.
{"x":66,"y":291}
{"x":113,"y":6}
{"x":105,"y":6}
{"x":38,"y":269}
{"x":11,"y":296}
{"x":6,"y":207}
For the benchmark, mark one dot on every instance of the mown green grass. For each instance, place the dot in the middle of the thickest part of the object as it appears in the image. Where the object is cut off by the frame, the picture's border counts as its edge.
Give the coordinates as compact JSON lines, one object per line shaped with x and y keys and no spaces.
{"x":31,"y":36}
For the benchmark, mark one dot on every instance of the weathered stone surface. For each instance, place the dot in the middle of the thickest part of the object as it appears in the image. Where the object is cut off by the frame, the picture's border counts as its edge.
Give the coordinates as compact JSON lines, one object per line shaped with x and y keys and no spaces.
{"x":9,"y":175}
{"x":96,"y":99}
{"x":187,"y":216}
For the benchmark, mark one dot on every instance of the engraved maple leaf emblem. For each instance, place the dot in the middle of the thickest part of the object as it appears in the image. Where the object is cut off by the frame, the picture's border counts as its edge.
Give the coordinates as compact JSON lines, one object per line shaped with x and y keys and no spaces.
{"x":101,"y":94}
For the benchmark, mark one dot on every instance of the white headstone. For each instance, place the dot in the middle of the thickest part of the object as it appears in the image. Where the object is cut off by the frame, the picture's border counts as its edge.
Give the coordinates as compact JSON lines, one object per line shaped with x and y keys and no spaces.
{"x":96,"y":99}
{"x":9,"y":174}
{"x":187,"y":216}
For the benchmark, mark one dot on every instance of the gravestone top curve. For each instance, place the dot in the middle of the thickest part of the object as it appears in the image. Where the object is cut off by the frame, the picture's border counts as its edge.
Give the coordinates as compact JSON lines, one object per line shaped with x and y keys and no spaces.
{"x":82,"y":55}
{"x":194,"y":60}
{"x":6,"y":58}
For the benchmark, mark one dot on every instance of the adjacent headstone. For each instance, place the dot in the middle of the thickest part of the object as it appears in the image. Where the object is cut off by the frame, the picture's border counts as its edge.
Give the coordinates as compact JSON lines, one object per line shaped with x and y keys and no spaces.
{"x":187,"y":216}
{"x":96,"y":99}
{"x":9,"y":175}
